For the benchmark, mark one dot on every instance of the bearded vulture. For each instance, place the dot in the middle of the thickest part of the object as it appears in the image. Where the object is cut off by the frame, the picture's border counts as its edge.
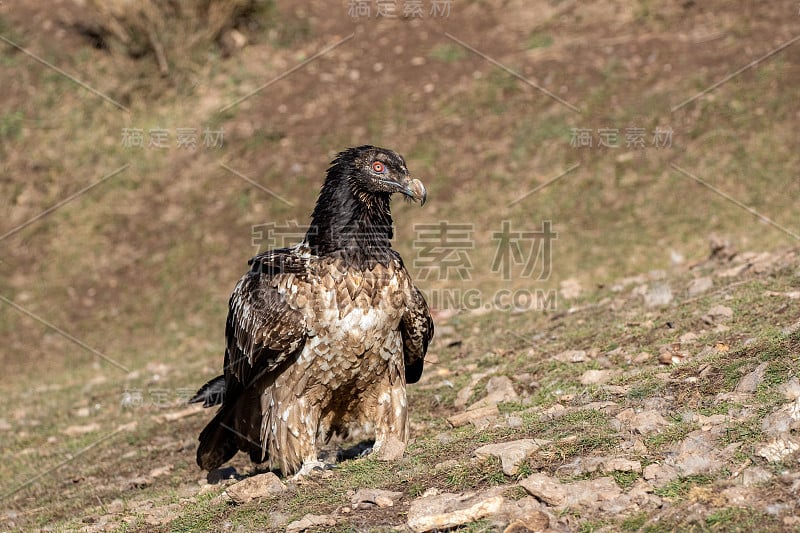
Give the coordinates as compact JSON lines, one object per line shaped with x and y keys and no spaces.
{"x":323,"y":336}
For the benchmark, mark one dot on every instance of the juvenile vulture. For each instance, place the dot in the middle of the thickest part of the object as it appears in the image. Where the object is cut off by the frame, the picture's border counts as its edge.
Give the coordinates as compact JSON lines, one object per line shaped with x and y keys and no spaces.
{"x":323,"y":336}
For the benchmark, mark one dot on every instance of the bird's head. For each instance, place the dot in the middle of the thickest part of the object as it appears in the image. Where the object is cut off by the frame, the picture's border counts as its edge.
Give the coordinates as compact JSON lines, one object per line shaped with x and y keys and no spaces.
{"x":377,"y":172}
{"x":352,"y":217}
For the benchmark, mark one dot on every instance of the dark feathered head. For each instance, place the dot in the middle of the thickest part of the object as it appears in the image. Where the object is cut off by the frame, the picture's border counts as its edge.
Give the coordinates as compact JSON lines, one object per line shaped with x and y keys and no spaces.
{"x":352,"y":212}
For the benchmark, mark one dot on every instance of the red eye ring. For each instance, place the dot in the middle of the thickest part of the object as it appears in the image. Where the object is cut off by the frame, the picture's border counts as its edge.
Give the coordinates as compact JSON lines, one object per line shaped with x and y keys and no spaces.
{"x":378,"y":167}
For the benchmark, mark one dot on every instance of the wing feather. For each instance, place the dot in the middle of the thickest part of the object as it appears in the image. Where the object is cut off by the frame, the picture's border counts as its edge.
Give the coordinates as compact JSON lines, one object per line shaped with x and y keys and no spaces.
{"x":262,"y":331}
{"x":416,"y":327}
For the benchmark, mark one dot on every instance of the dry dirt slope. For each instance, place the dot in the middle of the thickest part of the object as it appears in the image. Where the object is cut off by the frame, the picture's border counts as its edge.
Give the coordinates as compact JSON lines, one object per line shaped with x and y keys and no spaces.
{"x":663,"y":401}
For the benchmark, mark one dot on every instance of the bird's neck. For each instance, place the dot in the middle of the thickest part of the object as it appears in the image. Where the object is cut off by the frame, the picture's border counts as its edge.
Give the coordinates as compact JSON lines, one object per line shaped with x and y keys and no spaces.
{"x":352,"y":226}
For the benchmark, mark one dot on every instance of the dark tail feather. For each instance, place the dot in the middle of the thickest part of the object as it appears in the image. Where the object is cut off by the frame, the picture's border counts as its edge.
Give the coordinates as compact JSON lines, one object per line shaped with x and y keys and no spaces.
{"x":212,"y":393}
{"x":218,"y":443}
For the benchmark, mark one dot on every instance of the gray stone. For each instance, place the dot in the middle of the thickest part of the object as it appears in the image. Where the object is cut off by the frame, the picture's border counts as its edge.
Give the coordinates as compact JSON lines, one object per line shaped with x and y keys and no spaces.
{"x":717,"y":314}
{"x":310,"y":521}
{"x":751,"y":381}
{"x":659,"y":474}
{"x":755,"y":475}
{"x":446,"y":510}
{"x":511,"y":454}
{"x":255,"y":487}
{"x":643,"y":422}
{"x":587,"y":493}
{"x":370,"y":498}
{"x":700,"y":285}
{"x":658,"y":294}
{"x":593,"y":377}
{"x":698,"y":453}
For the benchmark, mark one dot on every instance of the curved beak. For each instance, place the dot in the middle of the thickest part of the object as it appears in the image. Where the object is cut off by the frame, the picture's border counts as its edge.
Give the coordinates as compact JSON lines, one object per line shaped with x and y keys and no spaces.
{"x":415,"y":190}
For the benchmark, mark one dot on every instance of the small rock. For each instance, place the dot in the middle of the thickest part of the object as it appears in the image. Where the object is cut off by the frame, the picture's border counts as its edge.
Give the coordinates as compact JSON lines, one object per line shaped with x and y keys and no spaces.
{"x":449,"y":464}
{"x":555,"y":411}
{"x":139,"y":482}
{"x":659,"y":474}
{"x":643,"y":422}
{"x":465,"y":393}
{"x":698,"y":453}
{"x":369,"y":498}
{"x":499,"y":389}
{"x":619,"y":464}
{"x":777,"y":423}
{"x":722,"y":249}
{"x":587,"y":492}
{"x":255,"y":487}
{"x":791,"y":328}
{"x":539,"y":522}
{"x":514,"y":421}
{"x":160,"y":471}
{"x":755,"y":475}
{"x":549,"y":490}
{"x":751,"y":381}
{"x":571,"y":356}
{"x":593,"y":377}
{"x":792,"y":521}
{"x":528,"y":510}
{"x":658,"y":294}
{"x":462,"y":419}
{"x":738,"y":495}
{"x":116,"y":506}
{"x":790,"y":389}
{"x":392,"y":449}
{"x":450,"y":510}
{"x":511,"y":454}
{"x":73,"y":431}
{"x":309,"y":521}
{"x":570,"y":288}
{"x":718,"y":313}
{"x":700,"y":285}
{"x":779,"y":448}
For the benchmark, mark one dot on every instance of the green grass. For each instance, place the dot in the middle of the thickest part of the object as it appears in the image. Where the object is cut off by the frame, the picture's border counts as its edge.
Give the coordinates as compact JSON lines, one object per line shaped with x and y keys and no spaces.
{"x":539,"y":40}
{"x":448,"y":52}
{"x":679,"y":488}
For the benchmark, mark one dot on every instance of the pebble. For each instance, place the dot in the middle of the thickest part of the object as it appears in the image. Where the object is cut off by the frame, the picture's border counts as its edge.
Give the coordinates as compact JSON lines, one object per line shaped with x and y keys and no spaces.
{"x":255,"y":487}
{"x":444,"y":511}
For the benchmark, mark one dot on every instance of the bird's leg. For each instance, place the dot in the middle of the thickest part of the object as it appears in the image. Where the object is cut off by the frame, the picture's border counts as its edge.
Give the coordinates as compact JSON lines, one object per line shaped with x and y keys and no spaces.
{"x":391,"y":420}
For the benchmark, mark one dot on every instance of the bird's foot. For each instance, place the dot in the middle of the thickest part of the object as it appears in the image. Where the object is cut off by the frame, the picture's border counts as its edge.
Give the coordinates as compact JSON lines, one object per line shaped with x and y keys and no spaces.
{"x":312,"y":467}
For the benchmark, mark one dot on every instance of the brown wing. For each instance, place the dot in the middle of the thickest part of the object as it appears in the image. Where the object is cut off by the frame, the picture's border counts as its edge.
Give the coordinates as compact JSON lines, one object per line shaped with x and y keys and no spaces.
{"x":416,"y":327}
{"x":262,"y":331}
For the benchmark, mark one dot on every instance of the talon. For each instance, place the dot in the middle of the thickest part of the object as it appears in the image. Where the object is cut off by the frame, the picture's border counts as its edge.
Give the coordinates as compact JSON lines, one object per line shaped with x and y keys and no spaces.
{"x":311,"y":467}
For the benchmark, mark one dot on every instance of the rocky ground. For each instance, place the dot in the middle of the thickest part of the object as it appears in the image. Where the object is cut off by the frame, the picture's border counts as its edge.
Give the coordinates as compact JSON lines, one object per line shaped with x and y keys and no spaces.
{"x":624,"y":412}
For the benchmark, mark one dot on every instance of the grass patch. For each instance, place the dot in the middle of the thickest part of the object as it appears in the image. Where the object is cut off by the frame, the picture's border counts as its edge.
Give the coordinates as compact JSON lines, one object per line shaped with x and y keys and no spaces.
{"x":669,"y":435}
{"x":634,"y":522}
{"x":448,"y":52}
{"x":678,"y":488}
{"x":739,"y":519}
{"x":625,"y":479}
{"x":539,"y":39}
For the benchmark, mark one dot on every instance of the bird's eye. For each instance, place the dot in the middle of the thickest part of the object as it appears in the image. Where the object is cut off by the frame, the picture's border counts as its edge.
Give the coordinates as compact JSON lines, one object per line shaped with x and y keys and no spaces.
{"x":378,"y":167}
